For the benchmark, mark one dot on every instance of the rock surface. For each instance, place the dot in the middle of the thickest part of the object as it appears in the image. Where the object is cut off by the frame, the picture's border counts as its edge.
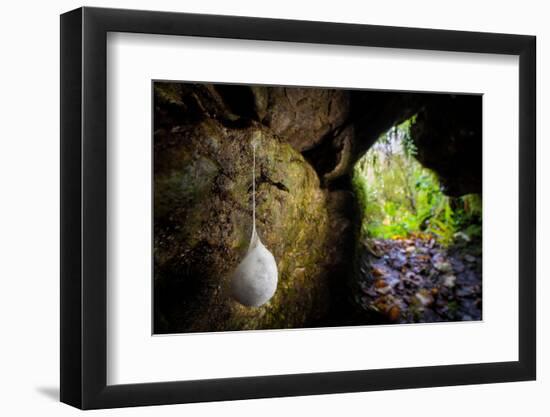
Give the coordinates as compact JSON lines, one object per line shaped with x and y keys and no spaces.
{"x":304,"y":116}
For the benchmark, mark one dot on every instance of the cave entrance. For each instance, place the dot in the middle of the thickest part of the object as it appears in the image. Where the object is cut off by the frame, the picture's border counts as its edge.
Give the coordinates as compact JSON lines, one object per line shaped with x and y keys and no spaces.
{"x":418,"y":255}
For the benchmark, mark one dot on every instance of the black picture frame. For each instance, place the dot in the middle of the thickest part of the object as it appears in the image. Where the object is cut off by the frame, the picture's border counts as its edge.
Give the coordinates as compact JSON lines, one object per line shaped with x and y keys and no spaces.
{"x":84,"y":207}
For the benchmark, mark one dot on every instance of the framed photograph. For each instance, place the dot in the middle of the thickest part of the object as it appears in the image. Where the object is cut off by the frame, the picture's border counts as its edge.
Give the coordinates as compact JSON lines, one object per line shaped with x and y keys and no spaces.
{"x":257,"y":208}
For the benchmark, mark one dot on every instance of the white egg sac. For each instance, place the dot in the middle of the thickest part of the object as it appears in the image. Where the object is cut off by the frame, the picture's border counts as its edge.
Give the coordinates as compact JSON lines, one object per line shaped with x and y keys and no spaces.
{"x":254,"y":281}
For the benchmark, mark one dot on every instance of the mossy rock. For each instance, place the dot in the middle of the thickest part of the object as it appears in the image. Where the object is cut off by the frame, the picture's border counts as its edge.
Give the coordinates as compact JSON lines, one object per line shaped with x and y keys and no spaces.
{"x":203,"y":222}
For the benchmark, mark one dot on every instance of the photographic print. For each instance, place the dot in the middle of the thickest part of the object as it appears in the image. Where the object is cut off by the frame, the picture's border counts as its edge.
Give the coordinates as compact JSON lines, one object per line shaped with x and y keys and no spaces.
{"x":280,"y":207}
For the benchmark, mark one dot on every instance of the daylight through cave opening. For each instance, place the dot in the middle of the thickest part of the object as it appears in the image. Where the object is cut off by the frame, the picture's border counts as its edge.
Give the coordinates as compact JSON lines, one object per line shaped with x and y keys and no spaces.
{"x":399,"y":197}
{"x":413,"y":240}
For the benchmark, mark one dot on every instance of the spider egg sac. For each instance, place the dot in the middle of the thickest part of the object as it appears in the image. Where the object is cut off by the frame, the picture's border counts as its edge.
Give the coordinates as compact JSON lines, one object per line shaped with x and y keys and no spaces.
{"x":254,"y":281}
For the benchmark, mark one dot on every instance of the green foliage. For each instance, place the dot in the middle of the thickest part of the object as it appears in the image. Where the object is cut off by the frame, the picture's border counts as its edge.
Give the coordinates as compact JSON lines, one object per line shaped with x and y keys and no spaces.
{"x":399,"y":197}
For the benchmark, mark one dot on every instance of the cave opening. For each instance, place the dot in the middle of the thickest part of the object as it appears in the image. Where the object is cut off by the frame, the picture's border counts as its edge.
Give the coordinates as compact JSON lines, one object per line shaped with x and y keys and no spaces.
{"x":417,"y":249}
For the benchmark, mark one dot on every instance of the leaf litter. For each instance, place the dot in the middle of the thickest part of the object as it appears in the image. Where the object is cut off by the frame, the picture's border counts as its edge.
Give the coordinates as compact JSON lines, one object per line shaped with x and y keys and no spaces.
{"x":417,"y":280}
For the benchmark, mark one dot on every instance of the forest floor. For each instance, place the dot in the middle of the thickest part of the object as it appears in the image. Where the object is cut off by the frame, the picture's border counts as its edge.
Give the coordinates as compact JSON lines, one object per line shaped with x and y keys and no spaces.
{"x":416,"y":280}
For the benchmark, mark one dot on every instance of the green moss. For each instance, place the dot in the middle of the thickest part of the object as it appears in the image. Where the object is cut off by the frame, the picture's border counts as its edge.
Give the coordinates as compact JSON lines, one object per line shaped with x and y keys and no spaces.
{"x":208,"y":198}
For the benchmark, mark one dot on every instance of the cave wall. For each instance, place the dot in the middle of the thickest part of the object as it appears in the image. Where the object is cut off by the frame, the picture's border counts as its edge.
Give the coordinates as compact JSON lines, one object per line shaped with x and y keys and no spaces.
{"x":448,"y":135}
{"x":202,"y":214}
{"x":309,"y":141}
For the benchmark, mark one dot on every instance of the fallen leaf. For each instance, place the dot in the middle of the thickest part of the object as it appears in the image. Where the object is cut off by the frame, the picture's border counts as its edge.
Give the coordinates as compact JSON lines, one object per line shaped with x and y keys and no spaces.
{"x":394,"y":313}
{"x":379,"y":283}
{"x":383,"y":290}
{"x":377,"y":272}
{"x":425,"y":297}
